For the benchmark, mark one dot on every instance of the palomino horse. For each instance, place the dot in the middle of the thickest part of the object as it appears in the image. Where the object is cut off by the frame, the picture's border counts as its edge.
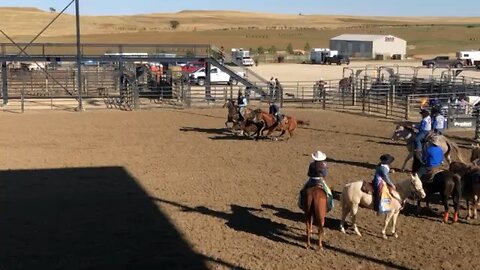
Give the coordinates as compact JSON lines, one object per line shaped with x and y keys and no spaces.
{"x":408,"y":134}
{"x":315,"y":207}
{"x":289,"y":123}
{"x":353,"y":197}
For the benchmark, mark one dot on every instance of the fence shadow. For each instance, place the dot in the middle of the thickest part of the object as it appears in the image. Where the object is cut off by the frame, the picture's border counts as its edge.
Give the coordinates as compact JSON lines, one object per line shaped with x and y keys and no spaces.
{"x":87,"y":218}
{"x":346,"y":133}
{"x":330,"y":223}
{"x":353,"y":163}
{"x":217,"y":131}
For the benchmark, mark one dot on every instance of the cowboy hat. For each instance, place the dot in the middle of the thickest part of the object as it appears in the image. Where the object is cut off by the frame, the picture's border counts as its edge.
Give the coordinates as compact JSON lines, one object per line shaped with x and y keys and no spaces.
{"x":387,"y":159}
{"x":436,"y":140}
{"x":319,"y":156}
{"x":423,"y":111}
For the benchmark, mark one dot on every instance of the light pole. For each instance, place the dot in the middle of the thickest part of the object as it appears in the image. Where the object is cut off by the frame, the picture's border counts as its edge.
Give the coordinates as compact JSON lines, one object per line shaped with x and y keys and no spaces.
{"x":79,"y":56}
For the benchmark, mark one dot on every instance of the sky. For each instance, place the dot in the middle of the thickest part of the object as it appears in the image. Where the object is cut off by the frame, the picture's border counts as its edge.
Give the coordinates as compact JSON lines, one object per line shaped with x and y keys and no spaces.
{"x":462,"y":8}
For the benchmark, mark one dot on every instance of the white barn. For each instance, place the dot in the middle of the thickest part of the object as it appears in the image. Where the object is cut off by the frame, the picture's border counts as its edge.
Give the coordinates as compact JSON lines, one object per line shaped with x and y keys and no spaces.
{"x":369,"y":46}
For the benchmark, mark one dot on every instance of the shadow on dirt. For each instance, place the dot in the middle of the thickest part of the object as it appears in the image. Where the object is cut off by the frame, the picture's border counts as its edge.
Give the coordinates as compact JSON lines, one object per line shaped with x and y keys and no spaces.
{"x":87,"y":218}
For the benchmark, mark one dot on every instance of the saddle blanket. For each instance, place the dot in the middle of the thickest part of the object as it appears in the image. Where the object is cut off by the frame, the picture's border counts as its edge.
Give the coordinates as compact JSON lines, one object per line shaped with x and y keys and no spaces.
{"x":311,"y":182}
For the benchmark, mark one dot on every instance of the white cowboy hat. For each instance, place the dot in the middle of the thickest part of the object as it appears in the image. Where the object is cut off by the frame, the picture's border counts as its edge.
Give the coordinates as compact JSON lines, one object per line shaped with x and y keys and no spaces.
{"x":436,"y":140}
{"x":319,"y":156}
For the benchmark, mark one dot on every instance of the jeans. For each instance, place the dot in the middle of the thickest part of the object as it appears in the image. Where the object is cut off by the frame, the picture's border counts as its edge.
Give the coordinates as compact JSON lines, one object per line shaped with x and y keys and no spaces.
{"x":438,"y":131}
{"x":419,"y":138}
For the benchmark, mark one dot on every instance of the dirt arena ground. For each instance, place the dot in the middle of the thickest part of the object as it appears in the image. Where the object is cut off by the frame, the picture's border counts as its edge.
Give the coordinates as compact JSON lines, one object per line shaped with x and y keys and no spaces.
{"x":173,"y":189}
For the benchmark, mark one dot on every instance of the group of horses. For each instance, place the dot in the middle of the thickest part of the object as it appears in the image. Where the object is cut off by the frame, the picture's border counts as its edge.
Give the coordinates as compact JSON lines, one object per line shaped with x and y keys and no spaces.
{"x":256,"y":121}
{"x":460,"y":179}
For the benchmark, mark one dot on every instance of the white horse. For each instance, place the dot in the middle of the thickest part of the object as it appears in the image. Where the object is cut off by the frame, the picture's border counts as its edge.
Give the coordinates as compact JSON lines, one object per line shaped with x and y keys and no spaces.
{"x":408,"y":134}
{"x":353,"y":197}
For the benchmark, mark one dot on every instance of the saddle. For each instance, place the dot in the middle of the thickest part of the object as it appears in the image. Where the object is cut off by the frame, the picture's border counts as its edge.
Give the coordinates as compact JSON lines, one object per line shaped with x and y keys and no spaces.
{"x":430,"y":175}
{"x":367,"y":187}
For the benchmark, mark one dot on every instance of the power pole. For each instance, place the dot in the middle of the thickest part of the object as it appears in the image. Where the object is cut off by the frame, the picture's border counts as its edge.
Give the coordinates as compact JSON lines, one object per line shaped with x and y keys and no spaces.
{"x":79,"y":56}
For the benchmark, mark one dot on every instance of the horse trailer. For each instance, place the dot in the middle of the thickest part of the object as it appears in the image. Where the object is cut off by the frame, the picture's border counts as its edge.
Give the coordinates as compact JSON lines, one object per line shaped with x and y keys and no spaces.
{"x":320,"y":55}
{"x":470,"y":57}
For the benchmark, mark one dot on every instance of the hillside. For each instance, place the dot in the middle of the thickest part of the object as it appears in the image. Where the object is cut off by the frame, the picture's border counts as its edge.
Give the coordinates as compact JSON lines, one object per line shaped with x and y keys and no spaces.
{"x":244,"y":29}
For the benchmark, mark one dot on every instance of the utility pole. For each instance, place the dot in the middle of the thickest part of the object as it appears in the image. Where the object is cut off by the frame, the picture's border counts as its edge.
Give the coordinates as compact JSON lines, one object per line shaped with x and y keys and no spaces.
{"x":79,"y":56}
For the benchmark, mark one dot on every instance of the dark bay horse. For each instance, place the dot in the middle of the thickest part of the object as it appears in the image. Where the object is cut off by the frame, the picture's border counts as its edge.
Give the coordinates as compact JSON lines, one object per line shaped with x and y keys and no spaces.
{"x":470,"y":175}
{"x":247,"y":126}
{"x":315,"y":208}
{"x":289,"y":123}
{"x":447,"y":184}
{"x":345,"y":85}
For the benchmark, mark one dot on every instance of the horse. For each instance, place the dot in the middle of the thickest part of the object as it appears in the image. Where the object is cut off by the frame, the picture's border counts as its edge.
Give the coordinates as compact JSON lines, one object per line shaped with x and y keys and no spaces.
{"x":470,"y":175}
{"x":289,"y":123}
{"x":233,"y":115}
{"x":353,"y":197}
{"x":408,"y":134}
{"x":315,"y":207}
{"x":447,"y":184}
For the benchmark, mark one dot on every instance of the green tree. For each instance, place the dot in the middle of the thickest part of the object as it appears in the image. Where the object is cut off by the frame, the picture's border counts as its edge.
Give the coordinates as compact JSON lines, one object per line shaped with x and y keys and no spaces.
{"x":290,"y":48}
{"x":174,"y":24}
{"x":52,"y":10}
{"x":307,"y":47}
{"x":272,"y":49}
{"x":261,"y":50}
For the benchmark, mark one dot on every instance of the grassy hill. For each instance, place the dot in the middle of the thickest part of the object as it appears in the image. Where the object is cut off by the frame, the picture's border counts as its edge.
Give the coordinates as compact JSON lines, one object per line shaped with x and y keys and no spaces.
{"x":425,"y":35}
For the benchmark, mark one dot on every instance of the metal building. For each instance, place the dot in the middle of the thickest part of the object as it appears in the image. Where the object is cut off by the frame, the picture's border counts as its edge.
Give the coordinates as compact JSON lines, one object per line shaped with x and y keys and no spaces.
{"x":369,"y":46}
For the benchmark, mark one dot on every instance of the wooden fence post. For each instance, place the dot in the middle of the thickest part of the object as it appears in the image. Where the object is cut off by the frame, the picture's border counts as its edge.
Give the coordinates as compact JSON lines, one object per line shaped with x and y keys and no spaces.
{"x":407,"y":107}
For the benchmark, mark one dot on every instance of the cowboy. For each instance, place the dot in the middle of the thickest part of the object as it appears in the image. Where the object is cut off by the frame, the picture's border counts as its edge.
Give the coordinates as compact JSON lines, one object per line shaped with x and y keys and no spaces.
{"x":317,"y":171}
{"x":432,"y":160}
{"x":274,"y":110}
{"x":438,"y":121}
{"x":242,"y":103}
{"x":380,"y":178}
{"x":424,"y":128}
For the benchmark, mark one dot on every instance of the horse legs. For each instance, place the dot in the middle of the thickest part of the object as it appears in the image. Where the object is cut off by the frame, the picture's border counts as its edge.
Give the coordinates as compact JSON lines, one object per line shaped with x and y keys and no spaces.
{"x":475,"y":205}
{"x":388,"y":217}
{"x":445,"y":206}
{"x":345,"y":211}
{"x":354,"y":219}
{"x":309,"y":222}
{"x":456,"y":204}
{"x":394,"y":230}
{"x":409,"y":156}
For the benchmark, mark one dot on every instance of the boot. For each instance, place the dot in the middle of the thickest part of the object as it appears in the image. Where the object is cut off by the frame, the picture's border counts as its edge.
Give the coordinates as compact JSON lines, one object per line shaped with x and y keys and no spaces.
{"x":418,"y":155}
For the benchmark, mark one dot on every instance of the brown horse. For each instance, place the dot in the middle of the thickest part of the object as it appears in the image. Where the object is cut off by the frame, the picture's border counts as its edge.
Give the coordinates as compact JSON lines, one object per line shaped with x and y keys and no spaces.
{"x":315,"y":207}
{"x":470,"y":175}
{"x":289,"y":123}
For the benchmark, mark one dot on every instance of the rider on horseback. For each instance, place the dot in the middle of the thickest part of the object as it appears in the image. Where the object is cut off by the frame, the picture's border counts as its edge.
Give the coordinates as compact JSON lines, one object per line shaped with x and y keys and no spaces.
{"x":438,"y":121}
{"x":423,"y":129}
{"x":274,"y":110}
{"x":381,"y":177}
{"x":432,"y":160}
{"x":242,"y":103}
{"x":317,"y":171}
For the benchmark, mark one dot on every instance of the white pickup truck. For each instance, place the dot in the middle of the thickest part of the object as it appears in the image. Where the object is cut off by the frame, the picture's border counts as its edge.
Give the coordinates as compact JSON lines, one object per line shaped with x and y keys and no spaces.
{"x":216,"y":77}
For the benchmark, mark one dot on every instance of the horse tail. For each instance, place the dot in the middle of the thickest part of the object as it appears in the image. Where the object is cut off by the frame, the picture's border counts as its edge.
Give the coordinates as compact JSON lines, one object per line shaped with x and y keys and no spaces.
{"x":453,"y":146}
{"x":303,"y":123}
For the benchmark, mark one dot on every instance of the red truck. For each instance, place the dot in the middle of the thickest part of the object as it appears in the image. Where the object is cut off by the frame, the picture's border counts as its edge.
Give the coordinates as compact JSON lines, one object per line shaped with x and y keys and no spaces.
{"x":191,"y":67}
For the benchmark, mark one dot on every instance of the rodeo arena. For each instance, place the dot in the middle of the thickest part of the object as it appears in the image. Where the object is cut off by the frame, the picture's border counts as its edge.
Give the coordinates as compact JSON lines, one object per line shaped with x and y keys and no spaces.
{"x":182,"y":156}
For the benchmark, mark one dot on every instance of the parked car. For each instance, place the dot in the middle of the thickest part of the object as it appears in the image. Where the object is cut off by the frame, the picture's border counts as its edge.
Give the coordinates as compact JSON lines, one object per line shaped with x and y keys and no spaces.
{"x":191,"y":67}
{"x":338,"y":59}
{"x":217,"y":76}
{"x":443,"y":61}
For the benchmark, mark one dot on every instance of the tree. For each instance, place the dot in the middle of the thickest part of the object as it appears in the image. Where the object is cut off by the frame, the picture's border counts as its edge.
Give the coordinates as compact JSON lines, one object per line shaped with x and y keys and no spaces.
{"x":307,"y":47}
{"x":174,"y":24}
{"x":261,"y":50}
{"x":52,"y":10}
{"x":272,"y":49}
{"x":290,"y":48}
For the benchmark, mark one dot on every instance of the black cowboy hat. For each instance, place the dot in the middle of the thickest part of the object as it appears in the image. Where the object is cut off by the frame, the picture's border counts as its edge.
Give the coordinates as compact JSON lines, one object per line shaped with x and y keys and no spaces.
{"x":423,"y":111}
{"x":387,"y":159}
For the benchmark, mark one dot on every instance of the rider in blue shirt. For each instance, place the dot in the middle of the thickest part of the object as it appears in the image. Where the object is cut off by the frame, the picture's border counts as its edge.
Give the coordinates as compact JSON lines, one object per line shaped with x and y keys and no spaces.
{"x":432,"y":159}
{"x":423,"y":129}
{"x":242,"y":103}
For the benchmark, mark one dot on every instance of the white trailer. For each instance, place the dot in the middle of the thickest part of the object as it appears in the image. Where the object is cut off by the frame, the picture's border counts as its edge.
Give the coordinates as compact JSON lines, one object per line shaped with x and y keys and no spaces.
{"x":319,"y":55}
{"x":242,"y":56}
{"x":469,"y":57}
